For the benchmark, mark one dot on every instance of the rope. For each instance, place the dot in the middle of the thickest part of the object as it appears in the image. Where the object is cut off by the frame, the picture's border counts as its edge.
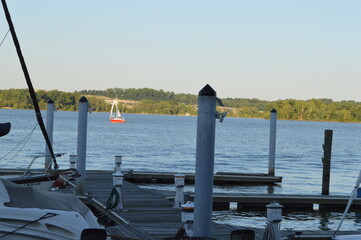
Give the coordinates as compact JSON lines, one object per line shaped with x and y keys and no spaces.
{"x":25,"y":140}
{"x":1,"y":43}
{"x":113,"y":200}
{"x":269,"y":233}
{"x":45,"y":216}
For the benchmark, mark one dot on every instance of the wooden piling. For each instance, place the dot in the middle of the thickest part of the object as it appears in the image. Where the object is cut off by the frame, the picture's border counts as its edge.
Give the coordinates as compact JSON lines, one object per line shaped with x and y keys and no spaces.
{"x":326,"y":160}
{"x":81,"y":144}
{"x":272,"y":143}
{"x":206,"y":125}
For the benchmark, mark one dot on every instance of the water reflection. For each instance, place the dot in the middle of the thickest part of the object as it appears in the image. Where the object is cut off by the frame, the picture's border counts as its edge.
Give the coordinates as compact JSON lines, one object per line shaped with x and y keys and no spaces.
{"x":324,"y":220}
{"x":313,"y":220}
{"x":296,"y":220}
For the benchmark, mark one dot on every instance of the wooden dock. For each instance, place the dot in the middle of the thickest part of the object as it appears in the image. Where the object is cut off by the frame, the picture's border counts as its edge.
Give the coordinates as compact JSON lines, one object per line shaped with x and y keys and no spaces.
{"x":148,"y":215}
{"x":219,"y":178}
{"x":289,"y":202}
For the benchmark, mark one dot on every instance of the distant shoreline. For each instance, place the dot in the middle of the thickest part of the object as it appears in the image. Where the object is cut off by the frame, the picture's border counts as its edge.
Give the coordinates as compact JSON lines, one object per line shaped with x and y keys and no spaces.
{"x":182,"y":115}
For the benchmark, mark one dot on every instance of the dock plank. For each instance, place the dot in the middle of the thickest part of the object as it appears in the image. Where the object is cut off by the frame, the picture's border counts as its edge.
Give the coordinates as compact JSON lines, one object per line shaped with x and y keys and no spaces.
{"x":146,"y":209}
{"x":219,"y":178}
{"x":150,"y":216}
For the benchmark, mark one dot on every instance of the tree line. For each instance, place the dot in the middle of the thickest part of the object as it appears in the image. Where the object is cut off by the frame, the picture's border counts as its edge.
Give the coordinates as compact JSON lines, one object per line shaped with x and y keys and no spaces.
{"x":150,"y":101}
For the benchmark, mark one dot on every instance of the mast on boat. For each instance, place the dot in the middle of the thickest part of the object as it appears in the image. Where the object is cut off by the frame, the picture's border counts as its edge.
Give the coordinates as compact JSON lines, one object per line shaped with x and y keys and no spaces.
{"x":29,"y":83}
{"x":116,"y":116}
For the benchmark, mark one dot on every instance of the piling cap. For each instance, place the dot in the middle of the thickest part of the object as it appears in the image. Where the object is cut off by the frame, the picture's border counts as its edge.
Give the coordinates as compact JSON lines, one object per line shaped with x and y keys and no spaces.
{"x":83,"y":99}
{"x":273,"y":110}
{"x":207,"y":91}
{"x":118,"y":174}
{"x":274,"y":205}
{"x":50,"y":101}
{"x":188,"y":205}
{"x":179,"y":175}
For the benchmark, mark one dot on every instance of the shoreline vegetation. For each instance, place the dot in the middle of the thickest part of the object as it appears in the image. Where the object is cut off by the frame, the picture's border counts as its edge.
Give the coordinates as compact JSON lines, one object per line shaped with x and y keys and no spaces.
{"x":150,"y":101}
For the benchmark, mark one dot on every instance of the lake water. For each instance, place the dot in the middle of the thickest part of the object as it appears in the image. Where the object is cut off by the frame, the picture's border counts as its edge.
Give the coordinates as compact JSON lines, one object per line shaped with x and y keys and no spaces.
{"x":168,"y":143}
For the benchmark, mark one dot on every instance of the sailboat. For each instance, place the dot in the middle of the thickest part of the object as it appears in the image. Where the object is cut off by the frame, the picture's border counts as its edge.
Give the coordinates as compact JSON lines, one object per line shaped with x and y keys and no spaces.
{"x":115,"y":115}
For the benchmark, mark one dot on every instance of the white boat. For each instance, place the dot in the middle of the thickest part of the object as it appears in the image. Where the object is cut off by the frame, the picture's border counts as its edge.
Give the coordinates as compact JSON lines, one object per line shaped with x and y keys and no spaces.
{"x":27,"y":213}
{"x":30,"y":214}
{"x":115,"y":115}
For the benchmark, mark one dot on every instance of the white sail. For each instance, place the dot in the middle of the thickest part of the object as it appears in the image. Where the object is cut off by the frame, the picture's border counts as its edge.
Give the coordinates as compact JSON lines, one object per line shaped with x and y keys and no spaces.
{"x":115,"y":115}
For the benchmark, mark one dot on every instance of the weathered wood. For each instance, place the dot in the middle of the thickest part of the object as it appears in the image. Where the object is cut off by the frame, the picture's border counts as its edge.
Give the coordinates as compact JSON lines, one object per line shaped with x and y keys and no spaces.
{"x":326,"y":160}
{"x":219,"y":178}
{"x":146,"y":209}
{"x":149,"y":216}
{"x":289,"y":201}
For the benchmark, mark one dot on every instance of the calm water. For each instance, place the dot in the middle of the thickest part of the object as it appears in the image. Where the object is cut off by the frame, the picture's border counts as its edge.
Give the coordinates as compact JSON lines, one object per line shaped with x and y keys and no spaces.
{"x":167,"y":143}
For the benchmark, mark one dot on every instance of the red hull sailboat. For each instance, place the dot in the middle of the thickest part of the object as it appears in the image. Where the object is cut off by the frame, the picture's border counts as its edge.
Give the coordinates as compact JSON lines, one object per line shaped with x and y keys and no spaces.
{"x":115,"y":115}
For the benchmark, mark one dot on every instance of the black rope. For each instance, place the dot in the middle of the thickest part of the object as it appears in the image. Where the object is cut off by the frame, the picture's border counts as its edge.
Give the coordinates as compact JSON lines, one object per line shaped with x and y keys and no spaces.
{"x":45,"y":216}
{"x":28,"y":81}
{"x":113,"y":200}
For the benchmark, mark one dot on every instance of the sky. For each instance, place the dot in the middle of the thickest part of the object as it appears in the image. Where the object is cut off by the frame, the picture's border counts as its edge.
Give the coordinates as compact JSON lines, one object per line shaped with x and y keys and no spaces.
{"x":261,"y":49}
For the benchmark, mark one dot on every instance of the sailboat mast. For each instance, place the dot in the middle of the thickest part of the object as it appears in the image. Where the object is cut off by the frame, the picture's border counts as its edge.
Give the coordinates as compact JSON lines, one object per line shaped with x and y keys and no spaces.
{"x":111,"y":110}
{"x":28,"y":81}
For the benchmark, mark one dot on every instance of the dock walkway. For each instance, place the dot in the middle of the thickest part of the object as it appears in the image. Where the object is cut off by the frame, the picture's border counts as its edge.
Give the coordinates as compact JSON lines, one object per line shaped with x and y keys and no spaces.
{"x":148,"y":215}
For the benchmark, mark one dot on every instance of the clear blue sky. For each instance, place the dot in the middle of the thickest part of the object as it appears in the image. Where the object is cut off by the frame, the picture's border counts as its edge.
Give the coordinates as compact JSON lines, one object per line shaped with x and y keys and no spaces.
{"x":246,"y":49}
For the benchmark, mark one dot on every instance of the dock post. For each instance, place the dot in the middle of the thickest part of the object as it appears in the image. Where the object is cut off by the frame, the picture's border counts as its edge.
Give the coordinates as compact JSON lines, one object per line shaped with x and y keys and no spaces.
{"x":204,"y":162}
{"x":326,"y":160}
{"x":274,"y":218}
{"x":72,"y":161}
{"x":49,"y":129}
{"x":118,"y":183}
{"x":188,"y":218}
{"x":272,"y":143}
{"x":179,"y":182}
{"x":81,"y":144}
{"x":118,"y":163}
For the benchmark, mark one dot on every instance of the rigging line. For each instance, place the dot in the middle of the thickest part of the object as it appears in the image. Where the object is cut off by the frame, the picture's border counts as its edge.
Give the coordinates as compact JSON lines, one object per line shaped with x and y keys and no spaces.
{"x":45,"y":216}
{"x":1,"y":43}
{"x":28,"y":135}
{"x":26,"y":141}
{"x":29,"y":83}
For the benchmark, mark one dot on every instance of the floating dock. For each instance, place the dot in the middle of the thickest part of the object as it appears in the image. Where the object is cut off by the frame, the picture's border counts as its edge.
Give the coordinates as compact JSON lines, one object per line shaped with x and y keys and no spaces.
{"x":148,"y":215}
{"x":220,"y":178}
{"x":289,"y":202}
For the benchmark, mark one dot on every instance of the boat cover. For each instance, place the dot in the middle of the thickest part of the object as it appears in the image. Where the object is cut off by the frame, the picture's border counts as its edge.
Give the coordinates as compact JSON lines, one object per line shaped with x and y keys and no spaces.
{"x":4,"y":128}
{"x":28,"y":197}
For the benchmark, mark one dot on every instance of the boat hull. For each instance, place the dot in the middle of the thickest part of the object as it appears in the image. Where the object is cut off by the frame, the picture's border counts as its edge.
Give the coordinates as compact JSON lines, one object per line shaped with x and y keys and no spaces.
{"x":115,"y":120}
{"x":61,"y":225}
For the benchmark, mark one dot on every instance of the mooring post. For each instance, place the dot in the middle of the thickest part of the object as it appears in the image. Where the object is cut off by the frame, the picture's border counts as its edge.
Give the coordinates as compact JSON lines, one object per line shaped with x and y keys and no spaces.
{"x":188,"y":218}
{"x":179,"y":182}
{"x":49,"y":130}
{"x":72,"y":161}
{"x":272,"y":143}
{"x":81,"y":144}
{"x":274,"y":218}
{"x":326,"y":160}
{"x":118,"y":164}
{"x":118,"y":183}
{"x":206,"y":124}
